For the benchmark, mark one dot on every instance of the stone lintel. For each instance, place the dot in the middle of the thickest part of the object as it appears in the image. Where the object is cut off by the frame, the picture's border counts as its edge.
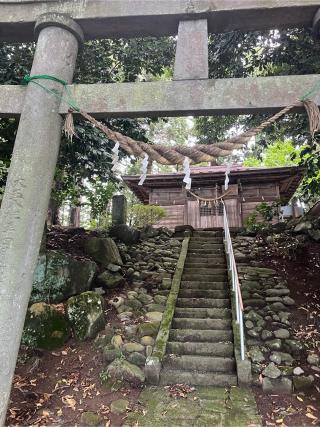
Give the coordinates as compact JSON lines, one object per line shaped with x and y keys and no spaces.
{"x":177,"y":98}
{"x":134,"y":18}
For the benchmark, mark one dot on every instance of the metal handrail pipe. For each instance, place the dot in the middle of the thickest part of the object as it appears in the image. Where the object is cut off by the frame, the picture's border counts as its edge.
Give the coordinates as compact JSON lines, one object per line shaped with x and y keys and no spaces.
{"x":235,"y":281}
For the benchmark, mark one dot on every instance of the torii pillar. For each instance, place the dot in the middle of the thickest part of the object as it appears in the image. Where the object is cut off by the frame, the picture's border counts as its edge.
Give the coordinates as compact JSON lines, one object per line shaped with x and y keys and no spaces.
{"x":26,"y":198}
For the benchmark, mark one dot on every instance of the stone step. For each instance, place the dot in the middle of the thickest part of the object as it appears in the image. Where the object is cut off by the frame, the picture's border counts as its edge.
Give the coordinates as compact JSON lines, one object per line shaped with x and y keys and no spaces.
{"x":200,"y":363}
{"x":203,"y":293}
{"x":203,"y":302}
{"x":210,"y":285}
{"x":208,"y":251}
{"x":204,"y":323}
{"x":196,"y":238}
{"x":207,"y":234}
{"x":217,"y":349}
{"x":210,"y":246}
{"x":211,"y":241}
{"x":194,"y":335}
{"x":217,"y":262}
{"x":204,"y":270}
{"x":172,"y":376}
{"x":212,"y":277}
{"x":193,"y":259}
{"x":202,"y":313}
{"x":206,"y":260}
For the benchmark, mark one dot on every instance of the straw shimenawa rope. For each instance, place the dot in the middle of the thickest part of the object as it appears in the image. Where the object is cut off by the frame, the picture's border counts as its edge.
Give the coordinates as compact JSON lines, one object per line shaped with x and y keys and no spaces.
{"x":175,"y":155}
{"x":203,"y":199}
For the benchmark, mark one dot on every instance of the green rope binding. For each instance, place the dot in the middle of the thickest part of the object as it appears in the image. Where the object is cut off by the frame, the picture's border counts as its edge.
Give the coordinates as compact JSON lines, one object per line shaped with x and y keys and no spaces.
{"x":69,"y":100}
{"x":315,"y":88}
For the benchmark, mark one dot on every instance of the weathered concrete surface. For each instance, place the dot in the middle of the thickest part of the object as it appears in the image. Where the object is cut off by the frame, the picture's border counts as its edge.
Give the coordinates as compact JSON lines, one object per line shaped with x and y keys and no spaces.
{"x":191,"y":61}
{"x":178,"y":98}
{"x":11,"y":100}
{"x":25,"y":202}
{"x":121,"y":18}
{"x":205,"y":407}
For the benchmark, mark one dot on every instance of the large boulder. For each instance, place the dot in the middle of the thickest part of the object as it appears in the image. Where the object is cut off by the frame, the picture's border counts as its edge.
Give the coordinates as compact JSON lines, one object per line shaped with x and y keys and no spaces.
{"x":103,"y":250}
{"x":125,"y":234}
{"x":85,"y":314}
{"x":58,"y":276}
{"x":122,"y":370}
{"x":45,"y":327}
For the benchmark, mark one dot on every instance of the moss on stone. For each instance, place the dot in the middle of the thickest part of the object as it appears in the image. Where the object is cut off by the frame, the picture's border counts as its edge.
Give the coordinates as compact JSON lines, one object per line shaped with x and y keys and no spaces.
{"x":163,"y":334}
{"x":103,"y":250}
{"x":90,"y":418}
{"x":148,"y":328}
{"x":122,"y":370}
{"x":58,"y":276}
{"x":45,"y":327}
{"x":85,"y":313}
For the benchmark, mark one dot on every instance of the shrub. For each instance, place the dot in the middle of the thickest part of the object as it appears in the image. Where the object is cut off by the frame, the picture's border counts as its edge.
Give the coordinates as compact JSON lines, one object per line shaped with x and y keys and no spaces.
{"x":266,"y":211}
{"x":142,"y":215}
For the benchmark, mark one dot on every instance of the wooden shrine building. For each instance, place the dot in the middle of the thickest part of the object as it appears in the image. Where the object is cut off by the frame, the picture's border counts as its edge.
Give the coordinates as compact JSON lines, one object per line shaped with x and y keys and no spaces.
{"x":247,"y":188}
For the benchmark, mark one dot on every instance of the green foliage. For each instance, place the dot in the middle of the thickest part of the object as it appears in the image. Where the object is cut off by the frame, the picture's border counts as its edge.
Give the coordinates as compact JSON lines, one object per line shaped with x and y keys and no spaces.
{"x":142,"y":215}
{"x":252,"y":162}
{"x":279,"y":153}
{"x":310,"y":160}
{"x":124,"y":60}
{"x":267,"y":211}
{"x":99,"y":197}
{"x":251,"y":223}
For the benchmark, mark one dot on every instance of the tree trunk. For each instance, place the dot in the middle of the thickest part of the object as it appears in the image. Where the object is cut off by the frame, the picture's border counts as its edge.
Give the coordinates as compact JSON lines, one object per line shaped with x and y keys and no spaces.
{"x":53,"y":213}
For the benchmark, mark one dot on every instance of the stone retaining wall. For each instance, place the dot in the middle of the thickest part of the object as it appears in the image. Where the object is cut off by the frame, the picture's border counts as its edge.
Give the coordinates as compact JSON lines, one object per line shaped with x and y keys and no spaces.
{"x":268,"y":308}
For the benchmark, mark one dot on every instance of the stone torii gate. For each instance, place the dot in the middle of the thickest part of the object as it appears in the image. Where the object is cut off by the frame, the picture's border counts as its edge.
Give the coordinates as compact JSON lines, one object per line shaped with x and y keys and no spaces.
{"x":60,"y":27}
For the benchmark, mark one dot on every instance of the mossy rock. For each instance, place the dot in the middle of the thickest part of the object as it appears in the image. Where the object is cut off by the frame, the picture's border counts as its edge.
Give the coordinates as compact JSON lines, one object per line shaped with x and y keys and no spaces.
{"x":104,"y":338}
{"x":110,"y":353}
{"x":45,"y":327}
{"x":58,"y":276}
{"x":119,"y":406}
{"x":134,"y":304}
{"x":122,"y":370}
{"x":148,"y":328}
{"x":137,"y":359}
{"x":160,"y":299}
{"x":90,"y":419}
{"x":156,"y":307}
{"x":103,"y":250}
{"x":132,"y":347}
{"x":110,"y":280}
{"x":303,"y":382}
{"x":85,"y":314}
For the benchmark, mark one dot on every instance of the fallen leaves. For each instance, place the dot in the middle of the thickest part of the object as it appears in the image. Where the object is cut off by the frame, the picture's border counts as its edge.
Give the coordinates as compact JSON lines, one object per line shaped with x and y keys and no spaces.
{"x":180,"y":390}
{"x":310,"y":414}
{"x":69,"y":402}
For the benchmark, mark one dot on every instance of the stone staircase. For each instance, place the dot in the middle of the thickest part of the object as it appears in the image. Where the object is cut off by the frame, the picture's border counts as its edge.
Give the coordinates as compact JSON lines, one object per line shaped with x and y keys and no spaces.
{"x":200,"y":346}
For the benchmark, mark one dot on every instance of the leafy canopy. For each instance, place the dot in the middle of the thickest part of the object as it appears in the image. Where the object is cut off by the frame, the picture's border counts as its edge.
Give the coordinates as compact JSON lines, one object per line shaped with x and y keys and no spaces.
{"x":279,"y":153}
